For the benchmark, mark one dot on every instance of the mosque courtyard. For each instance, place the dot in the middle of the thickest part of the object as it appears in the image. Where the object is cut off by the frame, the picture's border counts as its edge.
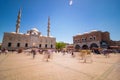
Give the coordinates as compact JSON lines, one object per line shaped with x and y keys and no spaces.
{"x":22,"y":66}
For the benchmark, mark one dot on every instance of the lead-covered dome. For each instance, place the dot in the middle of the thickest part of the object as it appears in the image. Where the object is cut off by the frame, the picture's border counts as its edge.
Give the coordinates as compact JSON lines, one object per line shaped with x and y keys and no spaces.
{"x":35,"y":29}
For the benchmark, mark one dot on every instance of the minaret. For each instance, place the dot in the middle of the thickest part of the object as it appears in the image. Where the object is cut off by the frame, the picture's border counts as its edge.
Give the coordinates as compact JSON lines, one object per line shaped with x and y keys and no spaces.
{"x":48,"y":30}
{"x":18,"y":21}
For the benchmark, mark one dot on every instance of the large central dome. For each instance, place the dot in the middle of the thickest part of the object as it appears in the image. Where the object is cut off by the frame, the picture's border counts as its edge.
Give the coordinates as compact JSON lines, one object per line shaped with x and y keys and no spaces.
{"x":35,"y":29}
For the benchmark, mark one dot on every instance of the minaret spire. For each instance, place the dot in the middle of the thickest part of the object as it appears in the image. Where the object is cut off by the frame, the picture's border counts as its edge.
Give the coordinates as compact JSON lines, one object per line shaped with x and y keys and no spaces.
{"x":48,"y":30}
{"x":18,"y":21}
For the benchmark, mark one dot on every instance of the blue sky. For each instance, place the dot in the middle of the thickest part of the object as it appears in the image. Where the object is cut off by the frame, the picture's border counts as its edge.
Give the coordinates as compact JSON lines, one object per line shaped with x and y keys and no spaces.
{"x":66,"y":20}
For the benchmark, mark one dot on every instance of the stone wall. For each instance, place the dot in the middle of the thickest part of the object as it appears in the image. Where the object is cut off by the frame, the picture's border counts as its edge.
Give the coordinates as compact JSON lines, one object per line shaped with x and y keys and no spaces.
{"x":95,"y":37}
{"x":12,"y":41}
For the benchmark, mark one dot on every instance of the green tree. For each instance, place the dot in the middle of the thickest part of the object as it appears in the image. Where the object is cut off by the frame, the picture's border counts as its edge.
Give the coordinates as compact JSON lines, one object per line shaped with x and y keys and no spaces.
{"x":60,"y":45}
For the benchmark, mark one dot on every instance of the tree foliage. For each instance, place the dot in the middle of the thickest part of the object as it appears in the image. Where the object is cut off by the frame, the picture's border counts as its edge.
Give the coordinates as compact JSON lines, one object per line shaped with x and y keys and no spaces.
{"x":60,"y":45}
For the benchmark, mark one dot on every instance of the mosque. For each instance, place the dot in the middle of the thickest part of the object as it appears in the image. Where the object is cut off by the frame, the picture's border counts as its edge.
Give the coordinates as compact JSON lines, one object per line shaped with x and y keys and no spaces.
{"x":33,"y":38}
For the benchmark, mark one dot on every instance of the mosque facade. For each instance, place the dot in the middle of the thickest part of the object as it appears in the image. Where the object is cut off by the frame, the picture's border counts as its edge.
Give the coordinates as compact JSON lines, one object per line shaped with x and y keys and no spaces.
{"x":33,"y":38}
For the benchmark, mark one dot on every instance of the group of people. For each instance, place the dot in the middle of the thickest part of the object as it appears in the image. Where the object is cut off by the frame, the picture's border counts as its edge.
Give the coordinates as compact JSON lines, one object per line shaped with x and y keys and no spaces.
{"x":47,"y":53}
{"x":84,"y":54}
{"x":5,"y":51}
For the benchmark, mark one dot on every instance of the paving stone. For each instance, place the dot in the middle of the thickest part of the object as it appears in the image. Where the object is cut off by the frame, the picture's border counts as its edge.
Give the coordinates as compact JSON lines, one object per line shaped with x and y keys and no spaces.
{"x":60,"y":67}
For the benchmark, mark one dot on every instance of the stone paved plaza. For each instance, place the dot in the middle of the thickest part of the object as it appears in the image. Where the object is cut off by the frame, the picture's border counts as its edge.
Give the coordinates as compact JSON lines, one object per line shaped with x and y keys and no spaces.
{"x":61,"y":67}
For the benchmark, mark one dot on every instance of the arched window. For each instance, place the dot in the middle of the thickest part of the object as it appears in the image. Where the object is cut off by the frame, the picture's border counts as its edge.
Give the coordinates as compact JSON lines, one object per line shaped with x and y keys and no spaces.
{"x":46,"y":46}
{"x":39,"y":45}
{"x":51,"y":46}
{"x":18,"y":44}
{"x":94,"y":37}
{"x":9,"y":44}
{"x":90,"y":38}
{"x":84,"y":39}
{"x":26,"y":45}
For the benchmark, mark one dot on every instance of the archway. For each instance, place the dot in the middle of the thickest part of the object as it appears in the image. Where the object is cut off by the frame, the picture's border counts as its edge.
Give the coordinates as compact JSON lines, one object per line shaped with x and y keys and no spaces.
{"x":93,"y":45}
{"x":84,"y":47}
{"x":77,"y":47}
{"x":95,"y":48}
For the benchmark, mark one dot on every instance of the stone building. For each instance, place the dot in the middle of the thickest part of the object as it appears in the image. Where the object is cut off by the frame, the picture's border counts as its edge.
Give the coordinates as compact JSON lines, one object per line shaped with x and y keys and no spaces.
{"x":32,"y":38}
{"x":69,"y":47}
{"x":93,"y":39}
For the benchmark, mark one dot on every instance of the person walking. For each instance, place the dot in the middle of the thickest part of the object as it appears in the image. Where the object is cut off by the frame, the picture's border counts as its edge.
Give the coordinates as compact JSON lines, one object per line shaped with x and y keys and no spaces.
{"x":49,"y":54}
{"x":33,"y":52}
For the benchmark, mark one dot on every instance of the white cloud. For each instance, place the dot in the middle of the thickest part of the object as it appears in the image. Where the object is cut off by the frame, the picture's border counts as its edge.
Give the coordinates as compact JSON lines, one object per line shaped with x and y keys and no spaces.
{"x":71,"y":2}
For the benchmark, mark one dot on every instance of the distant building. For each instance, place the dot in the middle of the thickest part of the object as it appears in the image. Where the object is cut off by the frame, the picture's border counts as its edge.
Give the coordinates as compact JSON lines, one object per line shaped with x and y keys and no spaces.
{"x":94,"y":39}
{"x":69,"y":47}
{"x":32,"y":38}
